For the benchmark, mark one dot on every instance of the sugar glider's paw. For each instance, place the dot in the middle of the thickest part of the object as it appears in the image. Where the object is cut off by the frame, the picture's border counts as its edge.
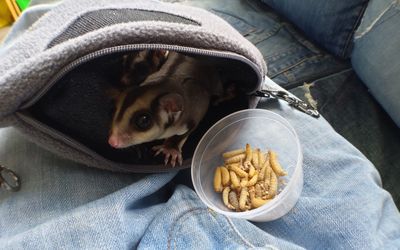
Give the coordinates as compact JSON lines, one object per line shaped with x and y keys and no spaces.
{"x":172,"y":155}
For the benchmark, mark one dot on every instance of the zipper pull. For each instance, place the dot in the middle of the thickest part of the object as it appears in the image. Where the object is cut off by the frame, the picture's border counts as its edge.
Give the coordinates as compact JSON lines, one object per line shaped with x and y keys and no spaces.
{"x":291,"y":100}
{"x":9,"y":180}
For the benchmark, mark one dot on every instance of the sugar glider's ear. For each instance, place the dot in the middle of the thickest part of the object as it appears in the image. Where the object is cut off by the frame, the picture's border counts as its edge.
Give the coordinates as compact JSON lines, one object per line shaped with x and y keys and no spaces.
{"x":172,"y":103}
{"x":158,"y":57}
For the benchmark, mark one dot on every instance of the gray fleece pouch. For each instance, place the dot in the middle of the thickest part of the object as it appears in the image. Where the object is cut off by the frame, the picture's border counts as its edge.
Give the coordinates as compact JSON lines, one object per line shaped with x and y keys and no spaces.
{"x":54,"y":78}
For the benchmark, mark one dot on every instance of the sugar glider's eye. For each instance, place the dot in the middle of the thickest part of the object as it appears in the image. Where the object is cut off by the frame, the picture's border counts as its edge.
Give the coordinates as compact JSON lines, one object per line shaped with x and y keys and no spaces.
{"x":142,"y":121}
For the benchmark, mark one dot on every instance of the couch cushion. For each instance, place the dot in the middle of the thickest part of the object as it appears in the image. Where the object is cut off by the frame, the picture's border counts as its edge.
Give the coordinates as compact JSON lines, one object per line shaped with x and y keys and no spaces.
{"x":329,"y":23}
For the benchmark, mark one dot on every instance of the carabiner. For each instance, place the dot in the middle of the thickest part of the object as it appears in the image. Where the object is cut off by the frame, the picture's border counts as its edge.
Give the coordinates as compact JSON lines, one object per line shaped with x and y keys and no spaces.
{"x":291,"y":100}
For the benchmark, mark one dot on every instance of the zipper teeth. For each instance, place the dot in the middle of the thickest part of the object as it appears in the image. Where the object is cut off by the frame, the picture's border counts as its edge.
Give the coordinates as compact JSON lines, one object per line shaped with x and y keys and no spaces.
{"x":129,"y":47}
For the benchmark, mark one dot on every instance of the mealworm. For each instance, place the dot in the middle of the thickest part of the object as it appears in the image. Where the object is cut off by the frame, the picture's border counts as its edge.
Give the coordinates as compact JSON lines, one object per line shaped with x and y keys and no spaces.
{"x":217,"y":180}
{"x":235,"y":159}
{"x":234,"y":179}
{"x":233,"y":153}
{"x":243,"y":182}
{"x":233,"y":200}
{"x":225,"y":198}
{"x":252,"y":171}
{"x":267,"y":178}
{"x":243,"y":198}
{"x":249,"y":152}
{"x":256,"y":202}
{"x":273,"y":187}
{"x":254,"y":159}
{"x":261,"y":159}
{"x":238,"y":171}
{"x":253,"y":180}
{"x":261,"y":175}
{"x":275,"y":164}
{"x":225,"y":176}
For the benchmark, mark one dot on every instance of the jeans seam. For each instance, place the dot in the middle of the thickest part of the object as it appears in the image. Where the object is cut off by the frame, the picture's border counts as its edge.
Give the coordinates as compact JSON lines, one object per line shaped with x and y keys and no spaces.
{"x":351,"y":34}
{"x":269,"y":34}
{"x":376,"y":20}
{"x":238,"y":233}
{"x":298,"y":36}
{"x":252,"y":28}
{"x":287,"y":50}
{"x":186,"y":216}
{"x":303,"y":60}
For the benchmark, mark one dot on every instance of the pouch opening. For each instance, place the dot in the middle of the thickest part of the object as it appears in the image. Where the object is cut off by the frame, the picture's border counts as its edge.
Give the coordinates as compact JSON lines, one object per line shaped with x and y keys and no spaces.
{"x":79,"y":106}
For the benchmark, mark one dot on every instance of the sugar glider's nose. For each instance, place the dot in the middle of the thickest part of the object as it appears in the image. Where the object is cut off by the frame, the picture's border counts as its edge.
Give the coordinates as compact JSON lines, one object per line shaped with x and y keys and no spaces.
{"x":115,"y":141}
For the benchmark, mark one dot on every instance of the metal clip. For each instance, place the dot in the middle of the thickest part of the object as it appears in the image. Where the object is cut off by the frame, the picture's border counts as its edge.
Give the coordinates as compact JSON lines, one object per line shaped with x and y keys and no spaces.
{"x":9,"y":180}
{"x":291,"y":100}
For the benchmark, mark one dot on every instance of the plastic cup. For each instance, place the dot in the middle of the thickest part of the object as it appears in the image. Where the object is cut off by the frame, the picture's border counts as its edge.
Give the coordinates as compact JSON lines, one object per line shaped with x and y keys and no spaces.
{"x":261,"y":129}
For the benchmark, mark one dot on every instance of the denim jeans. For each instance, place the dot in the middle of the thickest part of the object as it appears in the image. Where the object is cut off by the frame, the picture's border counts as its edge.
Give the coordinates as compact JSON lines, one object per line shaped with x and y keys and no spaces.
{"x":376,"y":59}
{"x":66,"y":205}
{"x":291,"y":58}
{"x":330,"y":24}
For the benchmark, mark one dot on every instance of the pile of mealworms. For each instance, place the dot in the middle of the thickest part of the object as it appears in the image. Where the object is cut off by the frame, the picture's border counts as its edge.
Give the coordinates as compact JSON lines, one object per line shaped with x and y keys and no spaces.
{"x":248,"y":179}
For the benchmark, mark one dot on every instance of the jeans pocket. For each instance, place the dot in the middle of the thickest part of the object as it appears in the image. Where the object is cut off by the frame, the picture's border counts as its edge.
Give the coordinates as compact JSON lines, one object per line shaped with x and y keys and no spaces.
{"x":243,"y":27}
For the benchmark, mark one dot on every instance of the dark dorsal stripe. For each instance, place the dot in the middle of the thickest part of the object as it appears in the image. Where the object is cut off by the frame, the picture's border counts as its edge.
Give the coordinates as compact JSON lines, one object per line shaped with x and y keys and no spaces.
{"x":131,"y":97}
{"x":134,"y":93}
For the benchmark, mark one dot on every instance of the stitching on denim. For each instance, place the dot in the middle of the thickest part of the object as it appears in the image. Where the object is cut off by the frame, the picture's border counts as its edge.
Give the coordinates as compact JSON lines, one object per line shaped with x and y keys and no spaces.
{"x":299,"y":37}
{"x":252,"y":27}
{"x":313,"y":77}
{"x":380,"y":22}
{"x":287,"y":50}
{"x":175,"y":223}
{"x":350,"y":35}
{"x":237,"y":232}
{"x":269,"y":34}
{"x":371,"y":26}
{"x":192,"y":211}
{"x":296,"y":64}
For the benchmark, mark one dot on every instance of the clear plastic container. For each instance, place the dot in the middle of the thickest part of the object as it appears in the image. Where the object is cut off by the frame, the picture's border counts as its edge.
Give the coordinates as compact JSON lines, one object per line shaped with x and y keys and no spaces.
{"x":261,"y":129}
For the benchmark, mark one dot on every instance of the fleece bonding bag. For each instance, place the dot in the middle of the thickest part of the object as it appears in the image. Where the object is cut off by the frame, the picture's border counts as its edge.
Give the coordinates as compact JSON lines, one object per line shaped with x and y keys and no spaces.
{"x":54,"y":77}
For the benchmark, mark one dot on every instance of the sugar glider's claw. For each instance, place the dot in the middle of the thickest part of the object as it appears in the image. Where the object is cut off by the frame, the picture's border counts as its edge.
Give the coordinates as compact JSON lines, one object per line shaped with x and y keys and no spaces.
{"x":172,"y":155}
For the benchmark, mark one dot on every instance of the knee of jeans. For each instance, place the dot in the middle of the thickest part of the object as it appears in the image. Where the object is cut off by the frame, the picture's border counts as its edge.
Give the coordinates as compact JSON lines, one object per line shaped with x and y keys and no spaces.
{"x":376,"y":54}
{"x":374,"y":15}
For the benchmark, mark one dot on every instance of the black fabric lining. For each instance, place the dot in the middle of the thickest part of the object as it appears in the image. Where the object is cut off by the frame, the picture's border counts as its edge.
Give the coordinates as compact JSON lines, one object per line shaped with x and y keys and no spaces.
{"x":79,"y":105}
{"x":98,"y":19}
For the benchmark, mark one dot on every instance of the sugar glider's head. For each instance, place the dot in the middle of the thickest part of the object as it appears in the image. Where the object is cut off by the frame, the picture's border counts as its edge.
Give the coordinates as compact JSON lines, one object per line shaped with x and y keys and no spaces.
{"x":144,"y":114}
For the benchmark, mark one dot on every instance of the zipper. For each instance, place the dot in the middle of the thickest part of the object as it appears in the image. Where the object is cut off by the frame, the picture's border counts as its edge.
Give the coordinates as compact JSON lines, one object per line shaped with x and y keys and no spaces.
{"x":82,"y":148}
{"x":107,"y":51}
{"x":131,"y":47}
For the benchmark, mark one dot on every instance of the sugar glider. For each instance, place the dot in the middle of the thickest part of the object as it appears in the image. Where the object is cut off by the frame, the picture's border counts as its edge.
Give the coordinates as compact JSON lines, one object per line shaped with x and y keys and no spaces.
{"x":168,"y":104}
